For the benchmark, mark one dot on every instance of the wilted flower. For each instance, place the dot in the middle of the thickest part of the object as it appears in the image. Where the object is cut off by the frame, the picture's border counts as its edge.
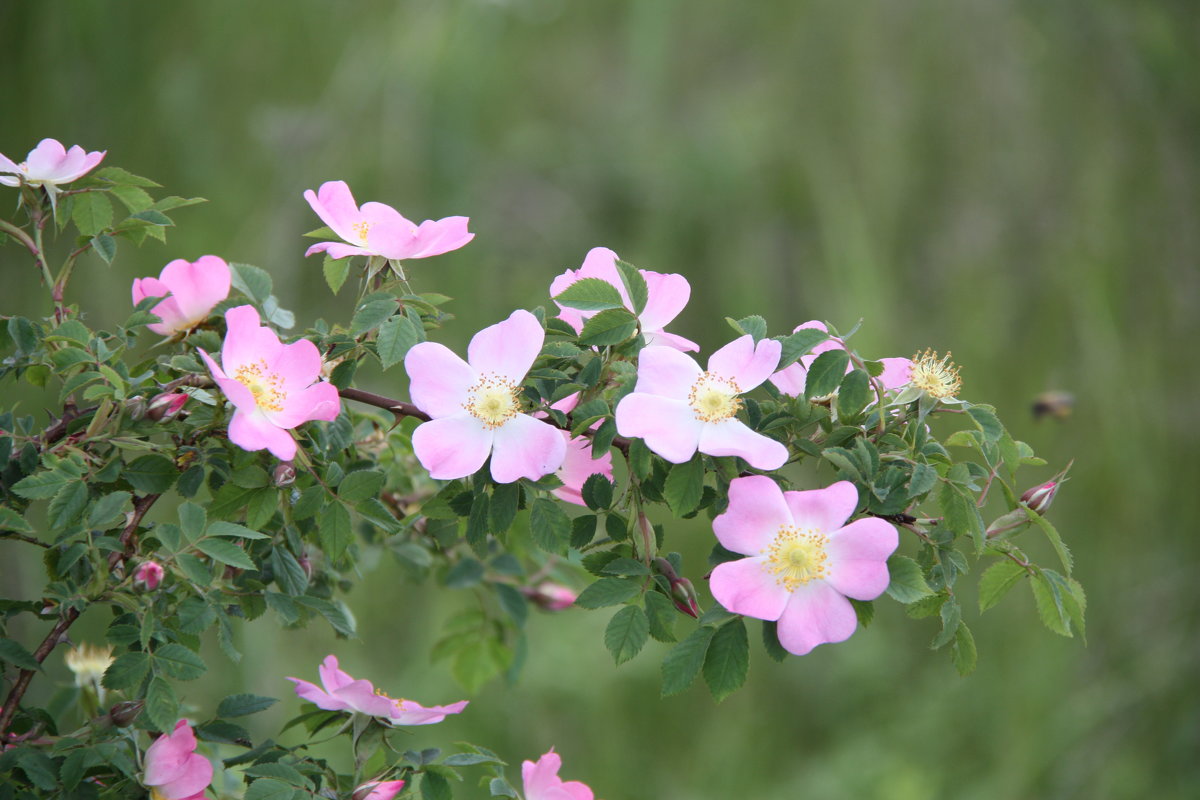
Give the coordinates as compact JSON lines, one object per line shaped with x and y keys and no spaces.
{"x":340,"y":692}
{"x":88,"y":663}
{"x":932,"y":377}
{"x":191,"y":290}
{"x":148,"y":575}
{"x":49,"y":165}
{"x":174,"y":770}
{"x":541,"y":782}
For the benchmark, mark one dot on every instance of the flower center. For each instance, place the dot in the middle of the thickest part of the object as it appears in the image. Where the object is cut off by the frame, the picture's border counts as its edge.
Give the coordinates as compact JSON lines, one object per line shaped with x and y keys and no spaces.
{"x":266,"y":386}
{"x":492,"y":400}
{"x":714,"y":398}
{"x":937,"y":378}
{"x":797,"y":557}
{"x":360,"y":229}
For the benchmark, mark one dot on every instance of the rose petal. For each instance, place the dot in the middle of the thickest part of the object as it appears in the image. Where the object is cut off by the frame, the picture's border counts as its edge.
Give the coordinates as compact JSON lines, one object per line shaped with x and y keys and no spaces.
{"x":858,"y":555}
{"x":409,"y":712}
{"x":747,"y":587}
{"x":525,"y":447}
{"x":319,"y":401}
{"x":667,"y":372}
{"x":823,"y":510}
{"x":668,"y":426}
{"x":815,"y":614}
{"x":745,"y":362}
{"x":507,"y":348}
{"x":439,"y":379}
{"x":251,"y":430}
{"x":452,"y":447}
{"x":755,"y":514}
{"x":732,"y":437}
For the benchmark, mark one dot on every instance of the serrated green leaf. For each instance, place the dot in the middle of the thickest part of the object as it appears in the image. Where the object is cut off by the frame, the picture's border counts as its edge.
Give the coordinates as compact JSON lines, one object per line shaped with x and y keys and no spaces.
{"x":41,"y":485}
{"x":597,"y":492}
{"x":252,"y":281}
{"x":15,"y":653}
{"x":179,"y":662}
{"x":269,"y":789}
{"x":225,"y":552}
{"x":951,"y":614}
{"x":109,"y":511}
{"x":608,"y":328}
{"x":590,"y":294}
{"x":92,"y":213}
{"x":626,"y":633}
{"x":371,"y":314}
{"x":105,"y":247}
{"x":987,"y":421}
{"x":192,"y":521}
{"x":241,"y":705}
{"x":334,"y":530}
{"x":1060,"y":547}
{"x":1050,"y":606}
{"x":997,"y":580}
{"x":727,"y":659}
{"x":770,"y":640}
{"x":799,"y":343}
{"x":964,"y":652}
{"x":825,"y":373}
{"x":123,"y":177}
{"x":12,"y":521}
{"x":162,"y":705}
{"x":232,"y":530}
{"x":335,"y":270}
{"x":151,"y":474}
{"x":924,"y":478}
{"x":685,"y":486}
{"x":607,"y":592}
{"x":506,"y":498}
{"x":635,"y":286}
{"x":907,"y":582}
{"x":684,"y":661}
{"x":135,"y":198}
{"x":360,"y":485}
{"x":661,"y":615}
{"x":67,"y":504}
{"x":960,"y":514}
{"x":854,"y":394}
{"x":395,"y":338}
{"x":549,"y":526}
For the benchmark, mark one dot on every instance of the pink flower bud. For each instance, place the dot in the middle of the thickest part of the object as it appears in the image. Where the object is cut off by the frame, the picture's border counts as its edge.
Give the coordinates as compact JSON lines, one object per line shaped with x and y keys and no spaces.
{"x":166,"y":406}
{"x":1040,"y":497}
{"x":378,"y":790}
{"x":285,"y":474}
{"x":148,"y":575}
{"x":684,"y":595}
{"x":551,"y":596}
{"x":123,"y":714}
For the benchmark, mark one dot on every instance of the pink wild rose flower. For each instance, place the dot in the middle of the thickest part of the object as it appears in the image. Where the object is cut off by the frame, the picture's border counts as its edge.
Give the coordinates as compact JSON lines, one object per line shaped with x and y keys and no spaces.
{"x":190,"y":291}
{"x":666,"y":295}
{"x":541,"y":782}
{"x":791,"y":379}
{"x":174,"y":770}
{"x":578,"y":465}
{"x":340,"y":692}
{"x":379,"y":230}
{"x":49,"y":165}
{"x":802,"y":560}
{"x":677,"y":408}
{"x":475,"y":405}
{"x":378,"y":790}
{"x":273,"y":386}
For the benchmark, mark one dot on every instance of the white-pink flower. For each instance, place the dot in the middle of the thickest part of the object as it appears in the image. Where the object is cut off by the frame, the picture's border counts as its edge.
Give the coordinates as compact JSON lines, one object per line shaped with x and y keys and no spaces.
{"x":802,"y":560}
{"x":677,"y":408}
{"x":475,"y":405}
{"x":273,"y":386}
{"x":791,"y":379}
{"x":190,"y":291}
{"x":340,"y":692}
{"x":173,"y":768}
{"x":666,"y":295}
{"x":49,"y":165}
{"x":379,"y":230}
{"x":148,"y":575}
{"x":541,"y":782}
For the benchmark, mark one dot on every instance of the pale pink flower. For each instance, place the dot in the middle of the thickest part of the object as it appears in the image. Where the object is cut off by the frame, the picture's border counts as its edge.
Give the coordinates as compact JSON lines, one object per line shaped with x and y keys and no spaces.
{"x":551,"y":596}
{"x":578,"y":465}
{"x":541,"y":782}
{"x":379,"y":230}
{"x":475,"y":405}
{"x":378,"y":790}
{"x":677,"y":408}
{"x":791,"y":379}
{"x":270,"y":384}
{"x":191,"y":290}
{"x":49,"y":165}
{"x":340,"y":692}
{"x":666,"y":295}
{"x":148,"y":575}
{"x":173,"y":768}
{"x":802,"y":560}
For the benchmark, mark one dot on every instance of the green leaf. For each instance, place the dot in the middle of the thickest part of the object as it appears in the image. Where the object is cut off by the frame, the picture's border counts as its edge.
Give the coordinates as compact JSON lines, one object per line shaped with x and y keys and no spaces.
{"x":336,"y":270}
{"x":12,"y":521}
{"x":192,"y":520}
{"x":67,"y":504}
{"x":951,"y":614}
{"x":506,"y":497}
{"x":825,"y":373}
{"x":275,"y":769}
{"x":434,"y":786}
{"x":241,"y":705}
{"x":608,"y":328}
{"x":335,"y":613}
{"x":251,"y":281}
{"x":626,"y":633}
{"x":151,"y":474}
{"x":269,"y":789}
{"x":105,"y":247}
{"x":477,"y":524}
{"x":154,"y":217}
{"x":997,"y":580}
{"x":1050,"y":607}
{"x":549,"y":526}
{"x":162,"y":706}
{"x":92,"y":213}
{"x":770,"y":640}
{"x":196,"y":570}
{"x":135,"y":198}
{"x":15,"y":653}
{"x":41,"y":485}
{"x":36,"y":765}
{"x":753,"y":325}
{"x":126,"y":671}
{"x":335,"y":532}
{"x":907,"y":584}
{"x":960,"y":514}
{"x":359,"y":485}
{"x":478,"y":662}
{"x":727,"y":660}
{"x":179,"y":662}
{"x":854,"y":394}
{"x":225,"y":552}
{"x":635,"y":286}
{"x":924,"y":478}
{"x":987,"y":421}
{"x":685,"y":486}
{"x":661,"y":615}
{"x":964,"y":653}
{"x":123,"y":177}
{"x":597,"y":492}
{"x":607,"y":592}
{"x":371,"y":314}
{"x":1060,"y":547}
{"x":231,"y":530}
{"x":395,"y":338}
{"x":109,"y":511}
{"x":590,"y":294}
{"x":684,"y":661}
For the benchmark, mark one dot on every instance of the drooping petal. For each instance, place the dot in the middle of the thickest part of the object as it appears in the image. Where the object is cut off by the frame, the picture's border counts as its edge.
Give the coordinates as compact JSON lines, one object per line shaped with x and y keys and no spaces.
{"x":858,"y":555}
{"x":409,"y":712}
{"x":315,"y":694}
{"x":319,"y":401}
{"x":338,"y":250}
{"x":668,"y":426}
{"x":745,"y":362}
{"x":335,"y":205}
{"x":823,"y":510}
{"x":666,"y":371}
{"x":732,"y":437}
{"x":507,"y":348}
{"x":664,"y":339}
{"x":251,"y":430}
{"x":755,"y":514}
{"x":452,"y":447}
{"x":815,"y":614}
{"x":8,"y":165}
{"x":247,"y":341}
{"x":746,"y":587}
{"x":525,"y":447}
{"x":439,"y":379}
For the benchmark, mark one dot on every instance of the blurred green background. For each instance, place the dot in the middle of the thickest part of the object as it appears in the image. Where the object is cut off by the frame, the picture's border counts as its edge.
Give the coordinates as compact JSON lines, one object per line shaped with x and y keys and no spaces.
{"x":1014,"y":181}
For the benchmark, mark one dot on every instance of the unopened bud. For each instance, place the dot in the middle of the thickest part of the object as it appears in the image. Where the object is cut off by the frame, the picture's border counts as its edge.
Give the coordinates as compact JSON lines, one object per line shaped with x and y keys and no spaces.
{"x":166,"y":406}
{"x":285,"y":474}
{"x":305,"y":565}
{"x":123,"y":714}
{"x":378,"y":790}
{"x":683,"y":593}
{"x":135,"y":407}
{"x":148,"y":575}
{"x":1040,"y":497}
{"x":550,"y":596}
{"x":649,"y":540}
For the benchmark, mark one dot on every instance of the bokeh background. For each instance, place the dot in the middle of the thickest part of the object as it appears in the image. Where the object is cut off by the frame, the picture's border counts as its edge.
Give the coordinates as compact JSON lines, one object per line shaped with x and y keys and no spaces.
{"x":1012,"y":180}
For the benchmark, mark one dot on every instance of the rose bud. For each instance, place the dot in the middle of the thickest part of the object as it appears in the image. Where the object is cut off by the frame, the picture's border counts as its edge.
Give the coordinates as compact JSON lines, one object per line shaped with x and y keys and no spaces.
{"x":148,"y":575}
{"x":550,"y":596}
{"x":165,"y":406}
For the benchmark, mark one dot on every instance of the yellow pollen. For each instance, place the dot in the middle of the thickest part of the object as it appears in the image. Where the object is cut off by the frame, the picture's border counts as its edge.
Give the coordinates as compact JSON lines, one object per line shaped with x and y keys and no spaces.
{"x":360,"y":229}
{"x":266,"y":386}
{"x":797,"y":557}
{"x":937,"y":378}
{"x":714,"y":398}
{"x":492,"y":400}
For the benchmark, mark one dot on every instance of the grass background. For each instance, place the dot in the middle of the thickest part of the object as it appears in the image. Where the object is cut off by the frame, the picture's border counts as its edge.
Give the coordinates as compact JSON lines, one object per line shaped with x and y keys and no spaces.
{"x":1014,"y":181}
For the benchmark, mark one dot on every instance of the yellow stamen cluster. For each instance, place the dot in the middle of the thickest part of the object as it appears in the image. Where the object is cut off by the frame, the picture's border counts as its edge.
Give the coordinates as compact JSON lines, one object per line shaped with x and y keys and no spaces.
{"x":797,"y":557}
{"x":714,"y":398}
{"x":938,"y":378}
{"x":266,"y":386}
{"x":492,"y":401}
{"x":89,"y":663}
{"x":360,"y":229}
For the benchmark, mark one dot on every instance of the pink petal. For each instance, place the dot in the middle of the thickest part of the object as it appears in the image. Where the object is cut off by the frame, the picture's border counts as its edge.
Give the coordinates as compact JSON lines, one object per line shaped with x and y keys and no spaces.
{"x":578,"y":465}
{"x":166,"y":757}
{"x":390,"y":234}
{"x":896,"y":372}
{"x":335,"y":205}
{"x":246,"y":340}
{"x":452,"y":447}
{"x":668,"y":426}
{"x":332,"y":675}
{"x":8,"y":165}
{"x":378,"y":790}
{"x":251,"y":430}
{"x":338,"y":250}
{"x":600,"y":262}
{"x":197,"y":288}
{"x":664,"y":339}
{"x":196,"y":776}
{"x":315,"y":694}
{"x":858,"y":555}
{"x":755,"y":514}
{"x":746,"y":587}
{"x":823,"y":510}
{"x":746,"y":362}
{"x":298,"y":364}
{"x":235,"y":391}
{"x":43,"y":161}
{"x":507,"y":348}
{"x":319,"y":401}
{"x":666,"y":296}
{"x":435,"y":237}
{"x":525,"y":447}
{"x":438,"y":379}
{"x":409,"y":712}
{"x":667,"y":372}
{"x":360,"y":696}
{"x":790,"y":380}
{"x":732,"y":437}
{"x":816,"y":614}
